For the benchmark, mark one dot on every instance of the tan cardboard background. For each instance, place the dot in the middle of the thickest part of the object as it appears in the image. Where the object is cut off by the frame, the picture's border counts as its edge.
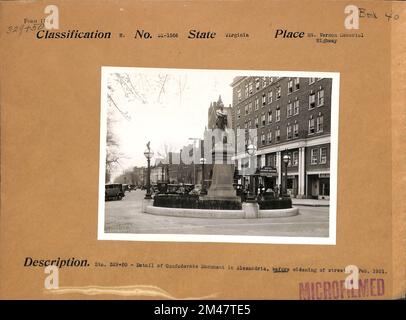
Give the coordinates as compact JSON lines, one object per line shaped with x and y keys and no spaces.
{"x":50,"y":108}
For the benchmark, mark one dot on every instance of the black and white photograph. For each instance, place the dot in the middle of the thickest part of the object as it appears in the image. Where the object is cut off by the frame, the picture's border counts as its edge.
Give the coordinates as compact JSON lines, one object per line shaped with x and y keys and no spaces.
{"x":199,"y":155}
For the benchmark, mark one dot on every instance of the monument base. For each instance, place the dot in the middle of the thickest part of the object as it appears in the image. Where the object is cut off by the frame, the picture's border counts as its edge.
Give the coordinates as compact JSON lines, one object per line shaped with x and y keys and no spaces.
{"x":222,"y":184}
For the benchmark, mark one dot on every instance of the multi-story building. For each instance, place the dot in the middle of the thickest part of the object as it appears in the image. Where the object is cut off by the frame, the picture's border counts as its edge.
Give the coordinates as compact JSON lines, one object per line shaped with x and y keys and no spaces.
{"x":291,"y":116}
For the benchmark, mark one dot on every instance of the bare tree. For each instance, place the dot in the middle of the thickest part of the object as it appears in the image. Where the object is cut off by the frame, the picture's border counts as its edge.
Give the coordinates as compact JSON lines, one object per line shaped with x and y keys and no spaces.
{"x":113,"y":154}
{"x":135,"y":87}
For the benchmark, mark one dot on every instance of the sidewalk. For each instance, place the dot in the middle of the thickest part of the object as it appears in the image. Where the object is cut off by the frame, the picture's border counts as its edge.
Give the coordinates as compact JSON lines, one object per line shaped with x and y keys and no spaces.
{"x":311,"y":202}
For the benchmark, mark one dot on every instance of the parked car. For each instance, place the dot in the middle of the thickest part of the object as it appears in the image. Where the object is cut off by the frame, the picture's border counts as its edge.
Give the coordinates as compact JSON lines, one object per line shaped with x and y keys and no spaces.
{"x":114,"y":191}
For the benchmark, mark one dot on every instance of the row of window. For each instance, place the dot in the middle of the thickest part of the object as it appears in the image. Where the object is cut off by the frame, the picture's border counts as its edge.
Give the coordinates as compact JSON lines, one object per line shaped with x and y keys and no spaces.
{"x":317,"y":156}
{"x":293,"y":85}
{"x":315,"y":125}
{"x":316,"y":99}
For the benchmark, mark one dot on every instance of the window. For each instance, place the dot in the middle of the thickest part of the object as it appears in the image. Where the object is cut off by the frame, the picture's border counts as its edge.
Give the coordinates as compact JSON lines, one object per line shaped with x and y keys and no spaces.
{"x":296,"y":107}
{"x":296,"y":84}
{"x":290,"y":86}
{"x":312,"y":100}
{"x":238,"y":113}
{"x":263,"y":120}
{"x":320,"y":98}
{"x":250,"y":124}
{"x":263,"y":99}
{"x":323,"y":155}
{"x":319,"y":123}
{"x":314,"y":156}
{"x":278,"y":135}
{"x":263,"y":141}
{"x":246,"y":90}
{"x":289,"y":131}
{"x":256,"y":122}
{"x":270,"y":96}
{"x":295,"y":159}
{"x":296,"y":130}
{"x":250,"y":107}
{"x":239,"y":95}
{"x":278,"y":93}
{"x":256,"y":103}
{"x":312,"y":80}
{"x":263,"y":82}
{"x":246,"y":109}
{"x":311,"y":125}
{"x":269,"y":116}
{"x":257,"y":83}
{"x":246,"y":125}
{"x":250,"y":88}
{"x":278,"y":114}
{"x":271,"y":160}
{"x":289,"y":109}
{"x":270,"y":136}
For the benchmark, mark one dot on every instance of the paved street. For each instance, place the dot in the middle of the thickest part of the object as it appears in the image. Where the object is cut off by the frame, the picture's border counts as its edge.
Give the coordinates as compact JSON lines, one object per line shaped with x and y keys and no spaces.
{"x":125,"y":216}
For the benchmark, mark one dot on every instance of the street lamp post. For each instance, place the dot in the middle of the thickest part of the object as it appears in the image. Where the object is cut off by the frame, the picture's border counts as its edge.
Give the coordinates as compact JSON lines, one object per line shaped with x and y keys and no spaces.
{"x":286,"y":159}
{"x":148,"y":154}
{"x":203,"y":191}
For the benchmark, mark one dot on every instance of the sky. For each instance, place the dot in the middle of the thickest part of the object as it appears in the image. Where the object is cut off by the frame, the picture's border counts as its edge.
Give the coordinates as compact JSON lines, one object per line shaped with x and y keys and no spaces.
{"x":168,"y":107}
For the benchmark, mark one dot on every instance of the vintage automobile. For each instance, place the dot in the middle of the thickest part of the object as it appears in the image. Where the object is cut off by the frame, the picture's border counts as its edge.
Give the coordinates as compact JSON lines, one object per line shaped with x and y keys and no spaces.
{"x":114,"y":191}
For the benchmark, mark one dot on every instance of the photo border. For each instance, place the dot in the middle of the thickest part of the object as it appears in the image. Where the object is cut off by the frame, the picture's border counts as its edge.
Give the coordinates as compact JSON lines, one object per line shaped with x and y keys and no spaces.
{"x":330,"y":240}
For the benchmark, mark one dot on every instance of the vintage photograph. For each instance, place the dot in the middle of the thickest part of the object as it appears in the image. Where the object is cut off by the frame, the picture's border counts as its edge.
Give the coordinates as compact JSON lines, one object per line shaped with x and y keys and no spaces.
{"x":218,"y":155}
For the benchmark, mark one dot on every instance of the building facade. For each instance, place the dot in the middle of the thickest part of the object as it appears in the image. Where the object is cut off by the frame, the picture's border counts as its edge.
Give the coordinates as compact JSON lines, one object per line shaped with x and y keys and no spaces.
{"x":290,"y":116}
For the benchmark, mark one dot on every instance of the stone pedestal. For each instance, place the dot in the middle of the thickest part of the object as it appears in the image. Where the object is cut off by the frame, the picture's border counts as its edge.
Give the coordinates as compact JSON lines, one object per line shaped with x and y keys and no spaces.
{"x":223,"y":173}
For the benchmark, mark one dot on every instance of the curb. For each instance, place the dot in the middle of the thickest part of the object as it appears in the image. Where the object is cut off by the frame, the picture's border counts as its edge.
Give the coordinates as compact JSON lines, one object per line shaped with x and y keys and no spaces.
{"x":310,"y":205}
{"x":219,"y":214}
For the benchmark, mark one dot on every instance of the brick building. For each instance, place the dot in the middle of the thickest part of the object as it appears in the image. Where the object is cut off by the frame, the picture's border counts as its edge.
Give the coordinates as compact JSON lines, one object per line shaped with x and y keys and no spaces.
{"x":291,"y":116}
